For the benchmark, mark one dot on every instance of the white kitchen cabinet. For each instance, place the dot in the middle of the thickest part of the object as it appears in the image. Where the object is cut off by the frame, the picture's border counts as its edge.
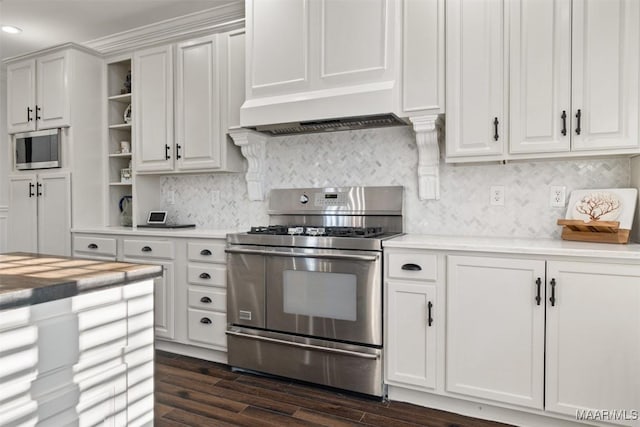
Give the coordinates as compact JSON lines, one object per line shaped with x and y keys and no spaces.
{"x":157,"y":252}
{"x":495,"y":324}
{"x":37,"y":93}
{"x":593,"y":338}
{"x":39,"y":216}
{"x":153,"y":109}
{"x":413,"y":323}
{"x":476,"y":92}
{"x":573,"y":75}
{"x":605,"y":74}
{"x":540,"y":76}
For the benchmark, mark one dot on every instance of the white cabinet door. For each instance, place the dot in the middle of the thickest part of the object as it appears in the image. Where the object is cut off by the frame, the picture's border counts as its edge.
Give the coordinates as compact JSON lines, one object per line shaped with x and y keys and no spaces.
{"x":22,"y":224}
{"x":198,"y":92}
{"x":593,"y":337}
{"x":606,"y":51}
{"x":153,"y":109}
{"x":54,"y":216}
{"x":411,"y":333}
{"x":540,"y":76}
{"x":495,"y":329}
{"x":278,"y":60}
{"x":21,"y":96}
{"x":234,"y":80}
{"x":52,"y":100}
{"x":475,"y":78}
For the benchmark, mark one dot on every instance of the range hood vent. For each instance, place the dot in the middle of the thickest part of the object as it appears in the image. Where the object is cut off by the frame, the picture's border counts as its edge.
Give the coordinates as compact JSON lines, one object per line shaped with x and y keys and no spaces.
{"x":332,"y":125}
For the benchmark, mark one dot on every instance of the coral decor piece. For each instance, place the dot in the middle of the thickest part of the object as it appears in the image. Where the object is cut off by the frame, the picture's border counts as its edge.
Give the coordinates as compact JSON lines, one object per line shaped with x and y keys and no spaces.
{"x":599,"y":206}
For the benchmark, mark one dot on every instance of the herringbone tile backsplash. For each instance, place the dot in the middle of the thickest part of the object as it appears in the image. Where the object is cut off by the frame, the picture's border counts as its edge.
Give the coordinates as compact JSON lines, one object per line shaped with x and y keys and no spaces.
{"x":389,"y":157}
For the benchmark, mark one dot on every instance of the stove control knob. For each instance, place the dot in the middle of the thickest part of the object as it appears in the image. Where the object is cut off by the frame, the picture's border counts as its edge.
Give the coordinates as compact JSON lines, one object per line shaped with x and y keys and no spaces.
{"x":304,"y":199}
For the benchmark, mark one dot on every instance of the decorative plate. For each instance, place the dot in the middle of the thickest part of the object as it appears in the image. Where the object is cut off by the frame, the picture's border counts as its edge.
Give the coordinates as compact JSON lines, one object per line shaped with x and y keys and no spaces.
{"x":598,"y":206}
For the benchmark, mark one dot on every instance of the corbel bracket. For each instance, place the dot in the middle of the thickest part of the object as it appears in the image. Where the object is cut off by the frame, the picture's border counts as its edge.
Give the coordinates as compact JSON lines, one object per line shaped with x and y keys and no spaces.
{"x":425,"y":128}
{"x":253,"y":147}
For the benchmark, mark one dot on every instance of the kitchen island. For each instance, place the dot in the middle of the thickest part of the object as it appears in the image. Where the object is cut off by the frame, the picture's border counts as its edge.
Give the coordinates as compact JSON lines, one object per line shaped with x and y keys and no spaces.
{"x":76,"y":341}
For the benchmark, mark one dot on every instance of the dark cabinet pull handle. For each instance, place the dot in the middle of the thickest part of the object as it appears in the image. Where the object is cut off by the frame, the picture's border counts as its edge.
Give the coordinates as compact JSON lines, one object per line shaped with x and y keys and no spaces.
{"x":29,"y":111}
{"x":495,"y":129}
{"x":38,"y":187}
{"x":166,"y":152}
{"x":538,"y":298}
{"x":205,"y":300}
{"x":553,"y":292}
{"x":31,"y":185}
{"x":578,"y":116}
{"x":205,"y":276}
{"x":92,"y":246}
{"x":205,"y":252}
{"x":564,"y":123}
{"x":38,"y":116}
{"x":205,"y":320}
{"x":411,"y":267}
{"x":146,"y":249}
{"x":429,"y":317}
{"x":178,"y":147}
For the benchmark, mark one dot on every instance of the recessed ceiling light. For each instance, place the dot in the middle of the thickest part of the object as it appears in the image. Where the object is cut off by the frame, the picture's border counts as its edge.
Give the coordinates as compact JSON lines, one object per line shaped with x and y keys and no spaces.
{"x":11,"y":29}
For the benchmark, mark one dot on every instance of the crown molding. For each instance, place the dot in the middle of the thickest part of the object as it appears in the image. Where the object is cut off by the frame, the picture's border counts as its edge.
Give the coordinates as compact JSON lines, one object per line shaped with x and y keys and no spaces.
{"x":51,"y":49}
{"x":218,"y":19}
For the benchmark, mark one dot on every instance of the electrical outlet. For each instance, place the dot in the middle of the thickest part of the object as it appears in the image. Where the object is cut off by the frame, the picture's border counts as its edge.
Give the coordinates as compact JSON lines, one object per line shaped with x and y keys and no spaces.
{"x":171,"y":197}
{"x":496,"y":195}
{"x":215,"y":197}
{"x":557,"y":196}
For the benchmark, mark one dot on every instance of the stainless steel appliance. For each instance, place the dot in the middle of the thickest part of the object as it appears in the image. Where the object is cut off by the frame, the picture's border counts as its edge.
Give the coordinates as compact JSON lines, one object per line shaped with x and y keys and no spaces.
{"x":304,"y":294}
{"x":38,"y":150}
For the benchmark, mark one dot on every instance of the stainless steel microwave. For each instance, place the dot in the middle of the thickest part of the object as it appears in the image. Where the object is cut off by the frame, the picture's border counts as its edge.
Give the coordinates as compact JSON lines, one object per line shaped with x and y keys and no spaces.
{"x":38,"y":150}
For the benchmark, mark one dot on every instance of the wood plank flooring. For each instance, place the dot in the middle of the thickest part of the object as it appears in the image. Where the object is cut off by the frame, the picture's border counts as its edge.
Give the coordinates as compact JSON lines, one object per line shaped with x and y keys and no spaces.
{"x":193,"y":392}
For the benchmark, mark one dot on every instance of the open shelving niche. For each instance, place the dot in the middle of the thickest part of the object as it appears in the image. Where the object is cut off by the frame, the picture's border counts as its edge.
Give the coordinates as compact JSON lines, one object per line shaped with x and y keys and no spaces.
{"x":117,"y":130}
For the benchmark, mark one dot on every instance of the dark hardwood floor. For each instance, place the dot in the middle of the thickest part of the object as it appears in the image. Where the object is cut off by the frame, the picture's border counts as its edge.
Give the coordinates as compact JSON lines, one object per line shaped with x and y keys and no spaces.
{"x":193,"y":392}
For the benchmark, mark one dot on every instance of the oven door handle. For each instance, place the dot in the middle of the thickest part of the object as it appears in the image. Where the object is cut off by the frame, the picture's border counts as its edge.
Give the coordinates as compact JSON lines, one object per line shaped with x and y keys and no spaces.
{"x":305,"y":346}
{"x":352,"y":257}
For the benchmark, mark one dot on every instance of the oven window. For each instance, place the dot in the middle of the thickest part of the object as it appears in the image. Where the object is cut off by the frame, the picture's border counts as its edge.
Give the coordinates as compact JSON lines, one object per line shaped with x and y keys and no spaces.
{"x":320,"y":294}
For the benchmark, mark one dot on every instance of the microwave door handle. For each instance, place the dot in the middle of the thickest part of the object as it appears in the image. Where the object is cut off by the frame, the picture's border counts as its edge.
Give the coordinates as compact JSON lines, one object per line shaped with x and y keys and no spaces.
{"x":351,"y":257}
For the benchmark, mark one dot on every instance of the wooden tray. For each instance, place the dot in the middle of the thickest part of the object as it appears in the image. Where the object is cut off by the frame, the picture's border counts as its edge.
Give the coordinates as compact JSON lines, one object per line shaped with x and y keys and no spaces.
{"x":594,"y":231}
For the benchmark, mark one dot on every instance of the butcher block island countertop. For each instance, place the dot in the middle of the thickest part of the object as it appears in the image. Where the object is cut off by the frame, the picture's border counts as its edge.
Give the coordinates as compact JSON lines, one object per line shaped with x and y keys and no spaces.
{"x":27,"y":279}
{"x":76,"y":341}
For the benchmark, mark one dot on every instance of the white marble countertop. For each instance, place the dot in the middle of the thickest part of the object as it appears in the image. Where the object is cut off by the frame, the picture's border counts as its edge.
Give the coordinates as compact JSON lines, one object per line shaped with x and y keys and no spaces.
{"x":201,"y":233}
{"x":555,"y":247}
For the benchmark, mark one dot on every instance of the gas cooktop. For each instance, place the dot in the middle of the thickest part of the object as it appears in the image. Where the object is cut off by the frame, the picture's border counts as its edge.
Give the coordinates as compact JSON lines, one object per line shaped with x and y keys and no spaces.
{"x":301,"y":230}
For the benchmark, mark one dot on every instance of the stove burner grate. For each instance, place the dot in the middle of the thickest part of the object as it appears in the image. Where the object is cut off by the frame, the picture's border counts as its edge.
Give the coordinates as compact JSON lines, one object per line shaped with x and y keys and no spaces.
{"x":297,"y":230}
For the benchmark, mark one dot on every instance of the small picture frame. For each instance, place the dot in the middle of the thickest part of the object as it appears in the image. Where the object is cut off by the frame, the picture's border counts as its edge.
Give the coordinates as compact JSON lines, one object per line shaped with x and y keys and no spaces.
{"x":157,"y":217}
{"x":127,"y":114}
{"x":125,"y":175}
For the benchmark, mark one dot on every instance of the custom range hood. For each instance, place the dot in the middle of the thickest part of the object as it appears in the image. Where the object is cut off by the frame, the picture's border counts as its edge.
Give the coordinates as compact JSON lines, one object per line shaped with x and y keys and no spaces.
{"x":324,"y":66}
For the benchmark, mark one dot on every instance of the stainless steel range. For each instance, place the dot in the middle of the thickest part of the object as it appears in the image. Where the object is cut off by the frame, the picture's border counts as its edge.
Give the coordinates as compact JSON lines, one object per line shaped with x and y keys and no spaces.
{"x":304,"y":294}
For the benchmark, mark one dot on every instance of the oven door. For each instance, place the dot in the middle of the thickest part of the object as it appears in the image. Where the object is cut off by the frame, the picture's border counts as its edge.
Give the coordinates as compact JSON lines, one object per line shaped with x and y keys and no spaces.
{"x":331,"y":294}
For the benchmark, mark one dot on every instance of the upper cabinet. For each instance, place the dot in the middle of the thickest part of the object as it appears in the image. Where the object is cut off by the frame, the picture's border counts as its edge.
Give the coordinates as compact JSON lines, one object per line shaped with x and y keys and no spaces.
{"x":340,"y":58}
{"x":574,"y":75}
{"x":37,"y":93}
{"x":475,"y":78}
{"x":188,"y":133}
{"x":571,"y":79}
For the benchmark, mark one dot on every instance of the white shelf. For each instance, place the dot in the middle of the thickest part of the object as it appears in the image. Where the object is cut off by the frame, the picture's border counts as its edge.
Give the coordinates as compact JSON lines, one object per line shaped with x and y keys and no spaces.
{"x":124,"y":98}
{"x":120,"y":184}
{"x":123,"y":155}
{"x":120,"y":126}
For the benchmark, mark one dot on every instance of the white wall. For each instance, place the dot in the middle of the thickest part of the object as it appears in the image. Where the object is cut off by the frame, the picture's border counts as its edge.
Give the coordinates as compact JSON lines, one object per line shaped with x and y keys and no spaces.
{"x":389,"y":157}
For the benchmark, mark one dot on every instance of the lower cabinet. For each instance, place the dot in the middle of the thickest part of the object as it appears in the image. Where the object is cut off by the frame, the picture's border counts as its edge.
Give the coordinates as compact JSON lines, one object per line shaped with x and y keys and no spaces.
{"x":553,"y":337}
{"x":190,"y":297}
{"x":411,"y":334}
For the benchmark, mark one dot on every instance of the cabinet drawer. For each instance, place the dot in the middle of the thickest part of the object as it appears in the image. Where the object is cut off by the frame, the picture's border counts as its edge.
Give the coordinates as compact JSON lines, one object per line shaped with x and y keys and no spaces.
{"x":148,"y":248}
{"x":413,"y":266}
{"x":208,"y":299}
{"x":207,"y":275}
{"x":101,"y":246}
{"x":206,"y":251}
{"x":207,"y":327}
